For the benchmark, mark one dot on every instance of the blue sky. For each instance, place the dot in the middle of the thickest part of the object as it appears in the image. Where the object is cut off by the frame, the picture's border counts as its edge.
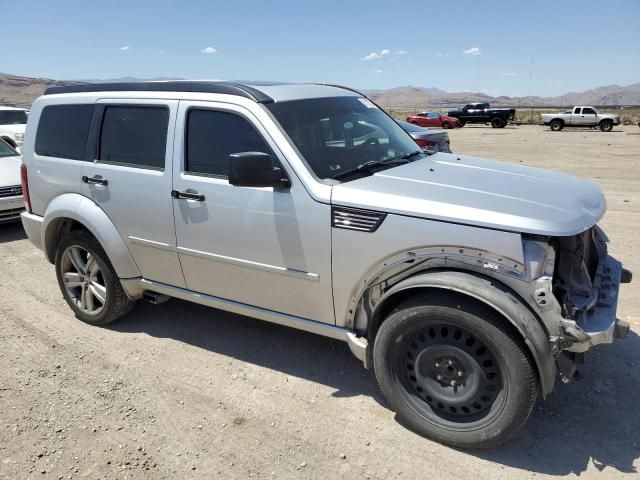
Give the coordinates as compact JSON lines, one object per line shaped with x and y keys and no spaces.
{"x":513,"y":48}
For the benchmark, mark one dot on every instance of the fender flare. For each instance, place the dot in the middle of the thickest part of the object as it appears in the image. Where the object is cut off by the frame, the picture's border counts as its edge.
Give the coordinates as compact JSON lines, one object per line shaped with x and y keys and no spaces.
{"x":81,"y":209}
{"x":495,"y":295}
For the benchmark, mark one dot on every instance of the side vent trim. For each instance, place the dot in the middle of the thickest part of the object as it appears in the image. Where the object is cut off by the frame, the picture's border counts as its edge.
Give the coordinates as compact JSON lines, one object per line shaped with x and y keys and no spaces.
{"x":356,"y":219}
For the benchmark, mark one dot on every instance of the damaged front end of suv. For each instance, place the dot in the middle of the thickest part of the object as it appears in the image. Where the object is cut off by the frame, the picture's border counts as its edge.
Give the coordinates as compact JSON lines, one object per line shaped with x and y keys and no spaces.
{"x":585,"y":284}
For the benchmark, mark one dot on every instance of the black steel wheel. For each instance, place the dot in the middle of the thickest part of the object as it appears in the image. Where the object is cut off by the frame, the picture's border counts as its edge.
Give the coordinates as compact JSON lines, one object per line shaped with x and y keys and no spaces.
{"x":455,"y":370}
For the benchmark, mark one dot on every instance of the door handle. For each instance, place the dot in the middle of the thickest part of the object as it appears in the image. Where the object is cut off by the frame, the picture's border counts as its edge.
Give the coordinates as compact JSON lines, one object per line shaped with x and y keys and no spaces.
{"x":95,"y":180}
{"x":175,"y":194}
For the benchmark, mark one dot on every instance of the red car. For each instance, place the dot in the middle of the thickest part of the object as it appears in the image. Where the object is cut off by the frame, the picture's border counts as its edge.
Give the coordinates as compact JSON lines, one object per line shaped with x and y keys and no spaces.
{"x":433,"y":119}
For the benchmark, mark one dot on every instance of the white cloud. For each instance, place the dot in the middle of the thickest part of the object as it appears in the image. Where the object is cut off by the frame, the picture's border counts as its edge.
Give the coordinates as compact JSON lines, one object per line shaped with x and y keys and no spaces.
{"x":371,"y":56}
{"x":376,"y":55}
{"x":443,"y":55}
{"x":472,"y":51}
{"x":509,"y":74}
{"x":402,"y":52}
{"x":209,"y":50}
{"x":126,"y":47}
{"x":161,"y":51}
{"x":377,"y":71}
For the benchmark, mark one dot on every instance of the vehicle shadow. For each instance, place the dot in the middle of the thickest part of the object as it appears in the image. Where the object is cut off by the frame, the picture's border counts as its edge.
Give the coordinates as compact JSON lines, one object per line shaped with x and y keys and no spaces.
{"x":593,"y":420}
{"x":11,"y":232}
{"x":293,"y":352}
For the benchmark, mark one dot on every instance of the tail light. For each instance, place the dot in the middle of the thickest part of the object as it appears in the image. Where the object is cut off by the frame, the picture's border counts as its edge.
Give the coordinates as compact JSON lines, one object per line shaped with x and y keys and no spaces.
{"x":425,"y":143}
{"x":25,"y":187}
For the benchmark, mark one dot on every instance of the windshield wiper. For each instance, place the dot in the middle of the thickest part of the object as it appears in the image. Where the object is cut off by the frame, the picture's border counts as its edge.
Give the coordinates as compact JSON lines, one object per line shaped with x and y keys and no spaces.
{"x":376,"y":163}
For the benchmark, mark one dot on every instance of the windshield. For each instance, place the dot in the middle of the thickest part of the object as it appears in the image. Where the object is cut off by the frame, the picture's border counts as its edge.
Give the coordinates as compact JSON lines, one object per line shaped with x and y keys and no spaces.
{"x":338,"y":134}
{"x":6,"y":150}
{"x":13,"y":117}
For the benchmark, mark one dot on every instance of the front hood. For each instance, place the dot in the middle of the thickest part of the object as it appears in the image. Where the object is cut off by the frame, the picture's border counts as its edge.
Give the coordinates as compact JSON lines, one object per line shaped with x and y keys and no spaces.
{"x":10,"y":171}
{"x":476,"y":191}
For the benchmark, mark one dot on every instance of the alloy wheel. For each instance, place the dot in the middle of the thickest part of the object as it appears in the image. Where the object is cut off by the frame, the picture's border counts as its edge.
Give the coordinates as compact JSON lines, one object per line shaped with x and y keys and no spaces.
{"x":83,"y":280}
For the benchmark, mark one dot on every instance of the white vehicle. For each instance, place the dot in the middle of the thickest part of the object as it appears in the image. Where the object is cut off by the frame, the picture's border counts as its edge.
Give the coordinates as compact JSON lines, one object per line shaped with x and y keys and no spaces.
{"x":13,"y":122}
{"x":11,"y":202}
{"x":581,"y":116}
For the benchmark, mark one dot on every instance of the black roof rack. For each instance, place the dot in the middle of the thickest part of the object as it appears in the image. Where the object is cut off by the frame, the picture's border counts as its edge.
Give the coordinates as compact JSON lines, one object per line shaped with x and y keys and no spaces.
{"x":172,"y":86}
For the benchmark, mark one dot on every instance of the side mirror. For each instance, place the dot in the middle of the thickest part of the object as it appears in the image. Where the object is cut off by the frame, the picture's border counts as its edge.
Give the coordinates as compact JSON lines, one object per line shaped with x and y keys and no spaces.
{"x":255,"y":169}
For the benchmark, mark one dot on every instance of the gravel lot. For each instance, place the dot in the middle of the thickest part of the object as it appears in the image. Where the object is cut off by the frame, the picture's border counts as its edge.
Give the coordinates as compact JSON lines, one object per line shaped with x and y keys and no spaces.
{"x":182,"y":391}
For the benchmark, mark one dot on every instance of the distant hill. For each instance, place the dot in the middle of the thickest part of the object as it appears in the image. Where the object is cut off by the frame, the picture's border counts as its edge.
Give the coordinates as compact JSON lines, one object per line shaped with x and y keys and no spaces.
{"x":18,"y":91}
{"x":22,"y":91}
{"x":419,"y":97}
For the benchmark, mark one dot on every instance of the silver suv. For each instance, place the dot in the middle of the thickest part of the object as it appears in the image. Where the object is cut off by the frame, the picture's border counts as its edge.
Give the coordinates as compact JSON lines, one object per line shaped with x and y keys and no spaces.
{"x":469,"y":285}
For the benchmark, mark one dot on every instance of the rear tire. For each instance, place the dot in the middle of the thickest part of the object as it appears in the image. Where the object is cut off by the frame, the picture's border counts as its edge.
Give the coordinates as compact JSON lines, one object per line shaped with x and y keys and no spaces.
{"x":462,"y":123}
{"x":606,"y":125}
{"x":556,"y":125}
{"x":455,"y":371}
{"x":88,"y":281}
{"x":498,"y":122}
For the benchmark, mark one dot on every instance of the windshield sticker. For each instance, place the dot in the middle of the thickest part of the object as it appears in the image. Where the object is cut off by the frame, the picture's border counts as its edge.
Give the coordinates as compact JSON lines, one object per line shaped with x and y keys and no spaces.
{"x":366,"y":102}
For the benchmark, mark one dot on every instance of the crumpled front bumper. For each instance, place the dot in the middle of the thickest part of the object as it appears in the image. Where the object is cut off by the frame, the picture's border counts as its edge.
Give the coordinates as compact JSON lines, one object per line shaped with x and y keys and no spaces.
{"x":600,"y":324}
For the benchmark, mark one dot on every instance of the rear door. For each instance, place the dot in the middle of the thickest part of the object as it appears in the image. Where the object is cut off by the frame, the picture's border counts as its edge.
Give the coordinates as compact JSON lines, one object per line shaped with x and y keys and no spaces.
{"x":576,"y":116}
{"x":130,"y":179}
{"x":589,"y":116}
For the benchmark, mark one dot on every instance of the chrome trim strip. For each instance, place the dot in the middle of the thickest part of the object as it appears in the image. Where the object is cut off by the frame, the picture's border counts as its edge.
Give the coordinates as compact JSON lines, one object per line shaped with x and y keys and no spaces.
{"x":150,"y":243}
{"x":314,"y":277}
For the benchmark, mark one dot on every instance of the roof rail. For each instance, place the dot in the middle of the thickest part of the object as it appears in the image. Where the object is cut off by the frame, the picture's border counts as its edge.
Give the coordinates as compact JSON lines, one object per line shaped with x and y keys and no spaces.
{"x":170,"y":86}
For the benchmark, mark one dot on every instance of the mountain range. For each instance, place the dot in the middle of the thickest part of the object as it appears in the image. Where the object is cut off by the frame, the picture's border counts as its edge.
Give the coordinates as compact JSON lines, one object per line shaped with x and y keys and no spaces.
{"x":22,"y":91}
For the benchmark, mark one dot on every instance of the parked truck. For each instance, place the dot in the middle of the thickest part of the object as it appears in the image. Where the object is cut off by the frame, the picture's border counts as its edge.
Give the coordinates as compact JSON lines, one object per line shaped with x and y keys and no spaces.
{"x":483,"y":113}
{"x":581,"y":116}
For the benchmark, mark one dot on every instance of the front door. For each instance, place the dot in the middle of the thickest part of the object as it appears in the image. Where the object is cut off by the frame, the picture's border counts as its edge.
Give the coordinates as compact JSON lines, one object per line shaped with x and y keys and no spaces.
{"x":130,"y":179}
{"x":263,"y":247}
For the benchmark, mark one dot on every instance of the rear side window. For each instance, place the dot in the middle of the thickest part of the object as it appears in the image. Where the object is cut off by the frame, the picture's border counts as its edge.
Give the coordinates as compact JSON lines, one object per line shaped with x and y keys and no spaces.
{"x":135,"y":136}
{"x":62,"y":131}
{"x":213,"y":135}
{"x":576,"y":111}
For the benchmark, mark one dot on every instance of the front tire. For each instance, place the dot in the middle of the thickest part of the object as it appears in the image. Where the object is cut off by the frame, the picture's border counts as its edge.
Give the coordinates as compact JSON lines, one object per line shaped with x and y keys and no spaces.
{"x":446,"y":125}
{"x":455,"y":371}
{"x":88,"y":281}
{"x":606,"y":126}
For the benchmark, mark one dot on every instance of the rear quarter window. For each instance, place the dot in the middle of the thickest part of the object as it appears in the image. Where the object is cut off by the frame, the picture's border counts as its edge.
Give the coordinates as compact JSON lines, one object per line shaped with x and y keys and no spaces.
{"x":63,"y":130}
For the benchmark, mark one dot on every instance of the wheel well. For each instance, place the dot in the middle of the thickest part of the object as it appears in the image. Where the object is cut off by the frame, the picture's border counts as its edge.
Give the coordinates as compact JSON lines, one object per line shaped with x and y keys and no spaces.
{"x":606,"y":120}
{"x":558,"y":119}
{"x":401,"y":296}
{"x":56,"y":230}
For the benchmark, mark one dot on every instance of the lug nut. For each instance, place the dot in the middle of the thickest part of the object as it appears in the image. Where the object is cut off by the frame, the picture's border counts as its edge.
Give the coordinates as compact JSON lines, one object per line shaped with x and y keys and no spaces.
{"x":460,"y":373}
{"x":450,"y":362}
{"x":439,"y":377}
{"x":437,"y":364}
{"x":453,"y":383}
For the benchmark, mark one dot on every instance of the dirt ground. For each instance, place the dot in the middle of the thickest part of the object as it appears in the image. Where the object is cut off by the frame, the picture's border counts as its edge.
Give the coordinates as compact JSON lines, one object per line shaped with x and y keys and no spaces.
{"x":179,"y":391}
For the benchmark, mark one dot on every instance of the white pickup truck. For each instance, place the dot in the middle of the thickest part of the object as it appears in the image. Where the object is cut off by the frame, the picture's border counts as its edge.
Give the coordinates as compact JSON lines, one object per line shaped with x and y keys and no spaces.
{"x":581,"y":116}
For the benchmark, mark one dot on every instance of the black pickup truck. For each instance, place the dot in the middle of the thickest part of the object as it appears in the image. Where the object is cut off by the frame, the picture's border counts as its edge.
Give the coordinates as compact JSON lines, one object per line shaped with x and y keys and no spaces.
{"x":483,"y":113}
